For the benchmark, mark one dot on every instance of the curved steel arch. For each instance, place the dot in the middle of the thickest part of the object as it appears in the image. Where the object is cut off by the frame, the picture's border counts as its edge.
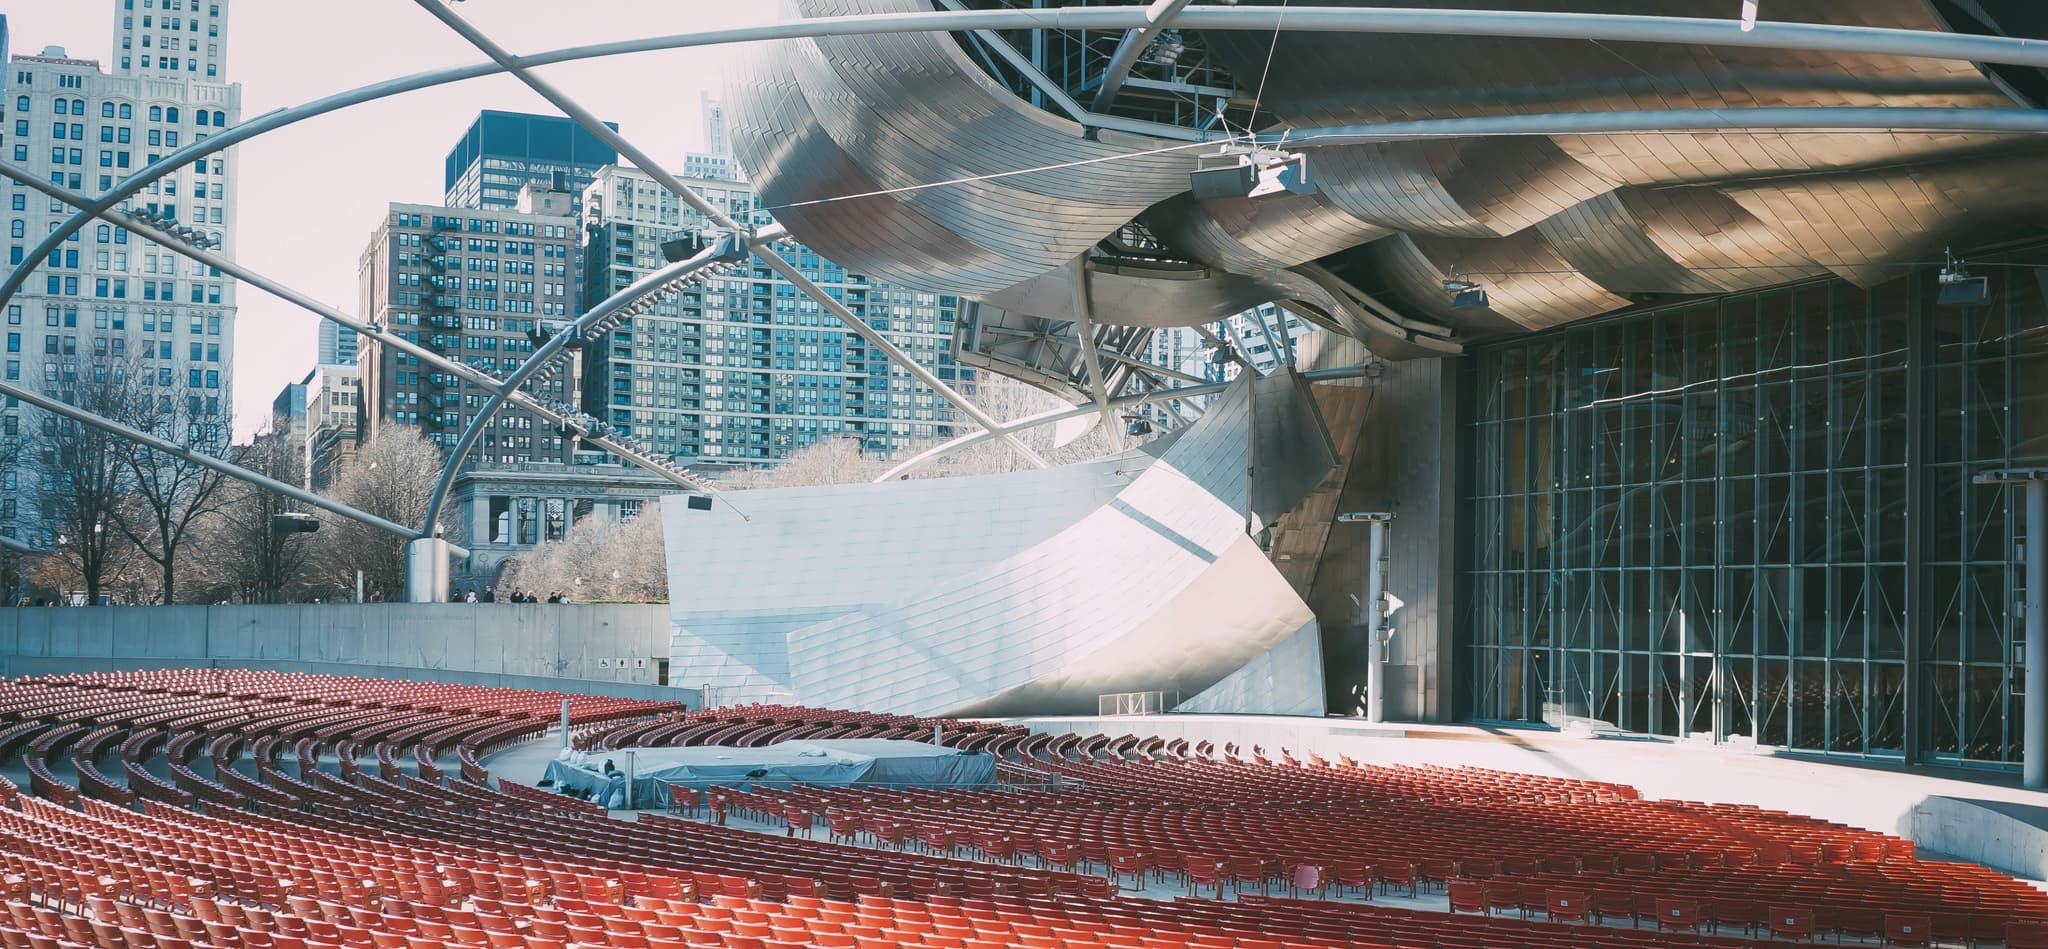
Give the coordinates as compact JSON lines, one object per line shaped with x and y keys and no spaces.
{"x":659,"y":282}
{"x":468,"y":373}
{"x":1443,"y":22}
{"x":1856,"y":39}
{"x":654,"y":169}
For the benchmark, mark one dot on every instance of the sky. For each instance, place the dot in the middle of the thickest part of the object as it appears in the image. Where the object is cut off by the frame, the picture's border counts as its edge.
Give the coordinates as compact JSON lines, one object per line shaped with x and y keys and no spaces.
{"x":311,"y":193}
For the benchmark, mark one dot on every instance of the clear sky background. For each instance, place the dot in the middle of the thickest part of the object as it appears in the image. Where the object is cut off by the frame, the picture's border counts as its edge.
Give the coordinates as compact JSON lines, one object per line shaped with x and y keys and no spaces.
{"x":311,"y":193}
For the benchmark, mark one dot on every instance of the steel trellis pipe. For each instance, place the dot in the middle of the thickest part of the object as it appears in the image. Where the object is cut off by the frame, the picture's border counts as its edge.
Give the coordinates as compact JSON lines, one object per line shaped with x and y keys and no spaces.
{"x":483,"y":380}
{"x":1084,"y":333}
{"x":19,"y":547}
{"x":688,"y":195}
{"x":1851,"y":39}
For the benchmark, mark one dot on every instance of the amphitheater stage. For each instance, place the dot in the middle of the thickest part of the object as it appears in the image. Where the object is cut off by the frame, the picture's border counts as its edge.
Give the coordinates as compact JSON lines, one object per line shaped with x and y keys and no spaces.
{"x":864,"y":762}
{"x":1986,"y":818}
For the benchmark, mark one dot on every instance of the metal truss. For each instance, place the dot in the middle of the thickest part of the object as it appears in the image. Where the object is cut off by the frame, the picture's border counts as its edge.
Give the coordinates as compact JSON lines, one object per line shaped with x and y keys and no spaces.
{"x":1701,"y":31}
{"x":1161,"y":14}
{"x":1051,"y":416}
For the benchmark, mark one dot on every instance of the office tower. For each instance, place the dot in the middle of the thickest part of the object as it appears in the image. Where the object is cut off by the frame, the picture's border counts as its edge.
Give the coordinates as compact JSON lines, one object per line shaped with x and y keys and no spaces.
{"x":744,"y":369}
{"x":337,"y":344}
{"x":715,"y":162}
{"x":504,"y":151}
{"x":288,"y":410}
{"x":107,"y":306}
{"x":474,"y":285}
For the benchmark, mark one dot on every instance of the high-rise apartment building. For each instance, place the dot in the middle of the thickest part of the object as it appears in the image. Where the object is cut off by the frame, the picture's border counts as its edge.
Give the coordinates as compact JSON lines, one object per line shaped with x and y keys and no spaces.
{"x":503,"y":152}
{"x":108,"y":306}
{"x":744,"y":369}
{"x":474,"y":285}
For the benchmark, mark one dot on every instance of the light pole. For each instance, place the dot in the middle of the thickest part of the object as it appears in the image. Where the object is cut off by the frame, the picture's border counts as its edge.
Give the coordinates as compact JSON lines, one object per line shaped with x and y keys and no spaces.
{"x":1372,"y":611}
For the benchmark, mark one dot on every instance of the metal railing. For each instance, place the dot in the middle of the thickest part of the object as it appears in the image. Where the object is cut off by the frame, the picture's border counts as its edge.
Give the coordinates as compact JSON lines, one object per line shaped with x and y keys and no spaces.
{"x":1136,"y":703}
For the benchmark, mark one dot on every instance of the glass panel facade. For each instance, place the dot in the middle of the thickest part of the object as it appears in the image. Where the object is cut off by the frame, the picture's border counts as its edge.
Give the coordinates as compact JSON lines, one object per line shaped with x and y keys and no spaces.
{"x":1752,"y":516}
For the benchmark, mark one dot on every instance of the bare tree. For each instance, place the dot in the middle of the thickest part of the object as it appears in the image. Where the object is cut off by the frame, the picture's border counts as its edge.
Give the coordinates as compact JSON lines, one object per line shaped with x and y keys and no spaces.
{"x":392,"y":476}
{"x":600,"y":559}
{"x":259,"y":564}
{"x":171,"y":494}
{"x":87,"y":485}
{"x":827,"y":461}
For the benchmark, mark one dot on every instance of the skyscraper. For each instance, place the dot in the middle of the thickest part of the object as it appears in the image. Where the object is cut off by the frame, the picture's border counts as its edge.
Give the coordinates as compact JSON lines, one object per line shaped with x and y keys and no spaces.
{"x":337,"y":344}
{"x":744,"y":369}
{"x":474,"y":285}
{"x":503,"y":151}
{"x":107,"y":306}
{"x":715,"y":162}
{"x":499,"y":154}
{"x":716,"y":141}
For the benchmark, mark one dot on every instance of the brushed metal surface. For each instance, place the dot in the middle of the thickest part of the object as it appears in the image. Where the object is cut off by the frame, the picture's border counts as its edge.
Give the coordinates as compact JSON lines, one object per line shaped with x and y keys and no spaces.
{"x":1557,"y":228}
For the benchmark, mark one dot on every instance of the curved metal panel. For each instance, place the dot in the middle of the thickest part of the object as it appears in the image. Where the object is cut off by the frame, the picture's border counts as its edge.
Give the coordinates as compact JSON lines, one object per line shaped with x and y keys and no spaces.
{"x":1557,"y":227}
{"x":875,"y":113}
{"x":1715,"y":240}
{"x":1605,"y":242}
{"x":1158,"y":589}
{"x":1863,"y":226}
{"x":1455,"y":188}
{"x":1529,"y":285}
{"x":1269,"y":233}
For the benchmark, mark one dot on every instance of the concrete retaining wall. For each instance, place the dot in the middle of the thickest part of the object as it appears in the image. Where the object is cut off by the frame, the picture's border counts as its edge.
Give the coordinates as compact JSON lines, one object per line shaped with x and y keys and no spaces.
{"x":601,"y":649}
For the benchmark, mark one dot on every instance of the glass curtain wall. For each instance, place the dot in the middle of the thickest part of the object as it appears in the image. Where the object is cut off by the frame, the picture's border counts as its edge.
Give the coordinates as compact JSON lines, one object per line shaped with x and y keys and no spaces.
{"x":1752,"y":517}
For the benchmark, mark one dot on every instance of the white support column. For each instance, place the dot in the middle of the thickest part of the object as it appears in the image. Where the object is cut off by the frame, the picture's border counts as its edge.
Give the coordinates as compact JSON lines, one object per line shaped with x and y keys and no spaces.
{"x":426,"y":570}
{"x":1372,"y":611}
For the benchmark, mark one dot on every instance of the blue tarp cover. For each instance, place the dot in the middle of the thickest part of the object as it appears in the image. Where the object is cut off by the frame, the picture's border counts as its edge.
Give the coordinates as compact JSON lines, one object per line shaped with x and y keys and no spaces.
{"x":854,"y":761}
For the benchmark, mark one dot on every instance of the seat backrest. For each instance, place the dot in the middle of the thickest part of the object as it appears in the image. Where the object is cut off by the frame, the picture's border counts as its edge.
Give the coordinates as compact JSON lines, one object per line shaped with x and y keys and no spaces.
{"x":1791,"y":920}
{"x":1676,"y":912}
{"x":1905,"y":929}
